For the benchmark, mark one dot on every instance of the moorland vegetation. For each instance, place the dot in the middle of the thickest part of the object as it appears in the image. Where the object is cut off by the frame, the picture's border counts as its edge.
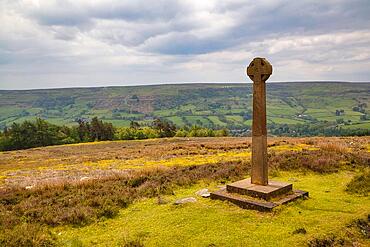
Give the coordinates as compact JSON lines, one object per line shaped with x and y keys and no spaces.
{"x":134,"y":203}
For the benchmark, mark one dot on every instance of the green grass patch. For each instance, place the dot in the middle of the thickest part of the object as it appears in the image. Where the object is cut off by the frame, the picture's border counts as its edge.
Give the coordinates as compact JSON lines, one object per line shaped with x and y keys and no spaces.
{"x":248,"y":122}
{"x":176,"y":120}
{"x":196,"y":120}
{"x":365,"y":125}
{"x":234,"y":118}
{"x":118,"y":123}
{"x":215,"y":223}
{"x":279,"y":120}
{"x":217,"y":121}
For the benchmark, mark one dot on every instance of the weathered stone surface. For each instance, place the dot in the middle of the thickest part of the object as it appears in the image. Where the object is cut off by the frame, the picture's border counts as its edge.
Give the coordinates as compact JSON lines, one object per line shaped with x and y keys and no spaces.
{"x":255,"y":204}
{"x":266,"y":192}
{"x":84,"y":178}
{"x":257,"y":192}
{"x":185,"y":200}
{"x":259,"y":70}
{"x":203,"y":193}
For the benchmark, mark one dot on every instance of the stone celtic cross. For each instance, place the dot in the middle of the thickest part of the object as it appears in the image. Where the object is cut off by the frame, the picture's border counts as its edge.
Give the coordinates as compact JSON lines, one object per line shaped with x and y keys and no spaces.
{"x":259,"y":70}
{"x":272,"y":193}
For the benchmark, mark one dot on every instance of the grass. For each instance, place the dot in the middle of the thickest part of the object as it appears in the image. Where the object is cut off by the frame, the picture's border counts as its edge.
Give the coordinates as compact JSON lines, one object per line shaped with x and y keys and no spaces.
{"x":208,"y":222}
{"x":279,"y":120}
{"x":365,"y":125}
{"x":118,"y":123}
{"x":360,"y":184}
{"x":234,"y":118}
{"x":278,"y":109}
{"x":100,"y":159}
{"x":176,"y":120}
{"x":85,"y":202}
{"x":118,"y":202}
{"x":217,"y":121}
{"x":191,"y":160}
{"x":195,"y":120}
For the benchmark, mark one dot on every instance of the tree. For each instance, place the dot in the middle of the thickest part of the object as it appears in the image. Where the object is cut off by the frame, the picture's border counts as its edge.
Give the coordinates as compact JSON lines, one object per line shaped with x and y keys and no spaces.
{"x":134,"y":125}
{"x":100,"y":131}
{"x":165,"y":129}
{"x":340,"y":121}
{"x":83,"y":130}
{"x":96,"y":130}
{"x":31,"y":134}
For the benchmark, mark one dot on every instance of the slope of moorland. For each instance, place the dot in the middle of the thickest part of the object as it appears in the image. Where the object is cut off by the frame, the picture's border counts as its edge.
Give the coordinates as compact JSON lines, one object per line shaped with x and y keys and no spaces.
{"x":121,"y":193}
{"x":209,"y":105}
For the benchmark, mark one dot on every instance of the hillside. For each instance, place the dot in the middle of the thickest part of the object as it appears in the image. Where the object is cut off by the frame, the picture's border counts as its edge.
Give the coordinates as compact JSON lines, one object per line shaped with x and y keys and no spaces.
{"x":209,"y":105}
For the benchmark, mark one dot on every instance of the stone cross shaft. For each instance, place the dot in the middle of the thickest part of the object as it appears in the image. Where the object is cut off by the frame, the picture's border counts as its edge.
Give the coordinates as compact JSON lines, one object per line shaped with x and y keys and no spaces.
{"x":259,"y":70}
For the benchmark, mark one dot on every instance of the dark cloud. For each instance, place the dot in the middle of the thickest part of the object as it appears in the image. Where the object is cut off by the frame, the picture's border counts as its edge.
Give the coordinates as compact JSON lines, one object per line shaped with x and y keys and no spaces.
{"x":70,"y":13}
{"x":184,"y":44}
{"x":139,"y":10}
{"x":61,"y":13}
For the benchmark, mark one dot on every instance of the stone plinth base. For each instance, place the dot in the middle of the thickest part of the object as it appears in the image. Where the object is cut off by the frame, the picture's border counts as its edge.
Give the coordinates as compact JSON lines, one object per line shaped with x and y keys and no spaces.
{"x":259,"y":197}
{"x":266,"y":192}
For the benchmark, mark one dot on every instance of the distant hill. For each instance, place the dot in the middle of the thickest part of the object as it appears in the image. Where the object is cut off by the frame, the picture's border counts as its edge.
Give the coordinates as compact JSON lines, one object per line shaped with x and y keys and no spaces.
{"x":212,"y":105}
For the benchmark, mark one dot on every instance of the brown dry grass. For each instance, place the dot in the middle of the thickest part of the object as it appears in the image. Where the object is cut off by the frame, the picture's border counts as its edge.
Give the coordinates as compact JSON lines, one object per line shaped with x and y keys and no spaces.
{"x":74,"y":162}
{"x":81,"y":203}
{"x":61,"y":202}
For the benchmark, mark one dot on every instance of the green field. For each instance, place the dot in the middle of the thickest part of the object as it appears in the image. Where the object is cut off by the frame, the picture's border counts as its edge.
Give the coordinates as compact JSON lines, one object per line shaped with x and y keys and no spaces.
{"x":208,"y":105}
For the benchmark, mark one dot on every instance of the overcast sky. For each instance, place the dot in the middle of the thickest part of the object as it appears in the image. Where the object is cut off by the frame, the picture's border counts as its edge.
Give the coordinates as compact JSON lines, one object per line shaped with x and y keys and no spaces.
{"x":49,"y":43}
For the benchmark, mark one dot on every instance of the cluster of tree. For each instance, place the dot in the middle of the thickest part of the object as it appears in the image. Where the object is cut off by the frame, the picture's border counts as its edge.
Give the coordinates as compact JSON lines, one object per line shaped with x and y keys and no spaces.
{"x":39,"y":133}
{"x":365,"y":117}
{"x":197,"y":131}
{"x":160,"y":129}
{"x":339,"y":112}
{"x":360,"y":107}
{"x":33,"y":134}
{"x":96,"y":130}
{"x":318,"y":129}
{"x":47,"y":102}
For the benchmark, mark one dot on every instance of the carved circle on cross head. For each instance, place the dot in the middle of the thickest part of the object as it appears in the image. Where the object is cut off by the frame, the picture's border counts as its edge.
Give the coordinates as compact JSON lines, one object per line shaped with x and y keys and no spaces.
{"x":259,"y":70}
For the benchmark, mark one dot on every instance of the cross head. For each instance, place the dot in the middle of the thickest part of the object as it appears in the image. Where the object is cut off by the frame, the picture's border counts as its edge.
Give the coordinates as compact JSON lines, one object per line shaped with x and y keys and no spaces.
{"x":259,"y":70}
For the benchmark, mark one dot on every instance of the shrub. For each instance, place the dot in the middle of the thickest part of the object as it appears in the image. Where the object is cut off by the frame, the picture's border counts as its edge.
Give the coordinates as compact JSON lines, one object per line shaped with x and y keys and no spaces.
{"x":326,"y":241}
{"x":360,"y":184}
{"x":83,"y":203}
{"x":221,"y":132}
{"x":181,"y":133}
{"x":321,"y":161}
{"x":27,"y":235}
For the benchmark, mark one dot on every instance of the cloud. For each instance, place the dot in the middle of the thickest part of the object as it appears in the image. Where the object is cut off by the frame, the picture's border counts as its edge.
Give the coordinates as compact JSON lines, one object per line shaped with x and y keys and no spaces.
{"x":84,"y":42}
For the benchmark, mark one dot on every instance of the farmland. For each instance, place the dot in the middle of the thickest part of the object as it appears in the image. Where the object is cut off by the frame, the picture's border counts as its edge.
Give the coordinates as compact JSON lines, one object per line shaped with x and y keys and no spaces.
{"x":122,"y":192}
{"x":208,"y":105}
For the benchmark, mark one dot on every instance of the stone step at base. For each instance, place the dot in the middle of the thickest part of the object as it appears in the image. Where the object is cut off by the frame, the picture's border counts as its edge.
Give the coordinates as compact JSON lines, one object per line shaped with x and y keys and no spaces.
{"x":266,"y":192}
{"x":256,"y":204}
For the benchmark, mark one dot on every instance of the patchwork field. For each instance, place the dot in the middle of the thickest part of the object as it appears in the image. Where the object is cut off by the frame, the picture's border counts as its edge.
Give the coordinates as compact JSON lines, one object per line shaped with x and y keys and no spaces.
{"x":209,"y":105}
{"x":122,"y":193}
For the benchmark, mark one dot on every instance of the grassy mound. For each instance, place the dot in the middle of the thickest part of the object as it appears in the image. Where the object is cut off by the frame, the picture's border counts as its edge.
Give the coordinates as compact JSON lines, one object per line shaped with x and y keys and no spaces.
{"x":360,"y":184}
